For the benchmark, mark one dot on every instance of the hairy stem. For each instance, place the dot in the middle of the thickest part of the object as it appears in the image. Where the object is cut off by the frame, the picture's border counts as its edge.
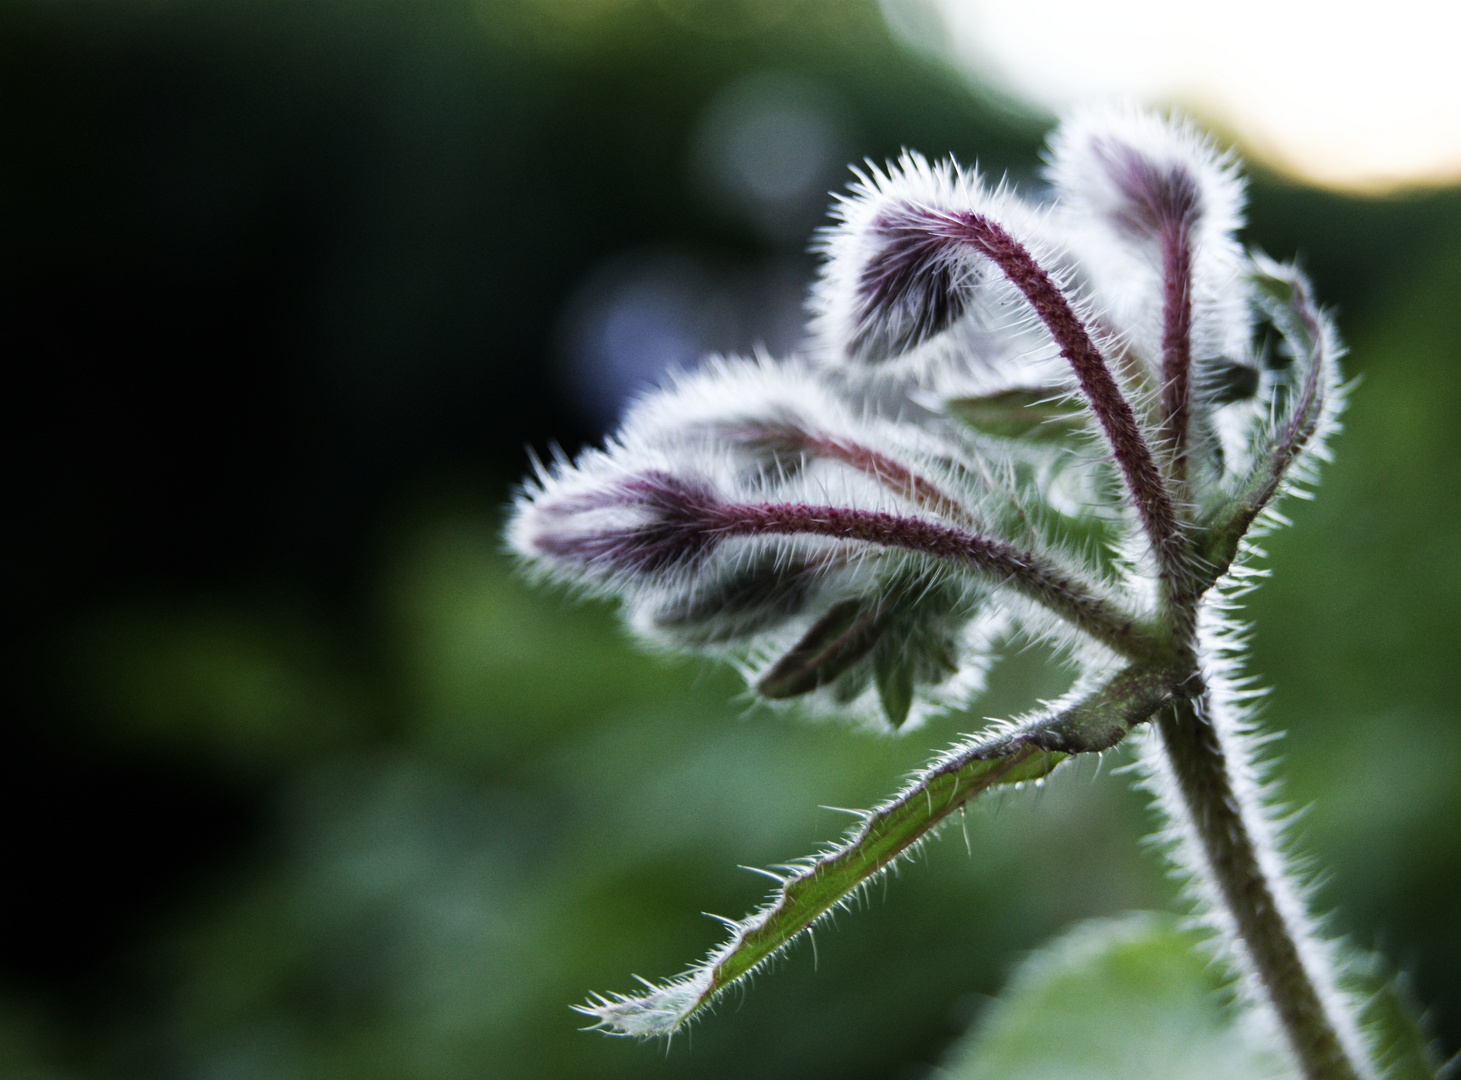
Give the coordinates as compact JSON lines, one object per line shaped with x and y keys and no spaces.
{"x":1219,"y":815}
{"x":1118,"y":420}
{"x":1177,"y":345}
{"x":1307,"y":336}
{"x":795,"y":439}
{"x":892,"y":474}
{"x":1023,"y":571}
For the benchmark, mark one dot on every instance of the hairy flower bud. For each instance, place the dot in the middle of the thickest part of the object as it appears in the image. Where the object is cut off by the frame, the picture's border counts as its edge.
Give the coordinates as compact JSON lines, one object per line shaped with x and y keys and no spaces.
{"x":1149,"y":205}
{"x":616,"y":529}
{"x":1139,"y":173}
{"x":899,"y":282}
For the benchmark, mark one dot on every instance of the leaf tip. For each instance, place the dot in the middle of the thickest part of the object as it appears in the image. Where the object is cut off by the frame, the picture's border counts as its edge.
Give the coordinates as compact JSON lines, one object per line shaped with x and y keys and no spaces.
{"x":658,"y":1012}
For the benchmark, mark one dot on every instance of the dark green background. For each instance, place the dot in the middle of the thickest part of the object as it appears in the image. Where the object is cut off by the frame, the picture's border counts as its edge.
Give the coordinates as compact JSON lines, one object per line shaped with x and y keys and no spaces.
{"x":301,"y":781}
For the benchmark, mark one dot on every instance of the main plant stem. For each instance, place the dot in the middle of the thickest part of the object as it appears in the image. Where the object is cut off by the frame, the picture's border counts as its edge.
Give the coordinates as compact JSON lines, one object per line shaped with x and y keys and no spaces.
{"x":1219,"y":813}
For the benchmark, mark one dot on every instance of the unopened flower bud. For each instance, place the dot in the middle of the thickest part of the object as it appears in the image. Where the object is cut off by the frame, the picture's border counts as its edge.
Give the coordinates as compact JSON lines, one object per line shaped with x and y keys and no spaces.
{"x":900,"y":280}
{"x":599,"y":525}
{"x":1134,"y":191}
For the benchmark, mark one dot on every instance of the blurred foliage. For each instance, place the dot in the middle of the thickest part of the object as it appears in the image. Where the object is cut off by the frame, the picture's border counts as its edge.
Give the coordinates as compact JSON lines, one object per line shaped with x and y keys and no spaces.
{"x":1135,"y":998}
{"x":306,"y":782}
{"x":554,"y":814}
{"x":1139,"y":998}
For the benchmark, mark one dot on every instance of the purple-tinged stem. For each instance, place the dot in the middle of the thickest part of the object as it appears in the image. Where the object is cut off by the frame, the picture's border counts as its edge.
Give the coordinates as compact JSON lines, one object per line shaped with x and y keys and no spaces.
{"x":887,"y":471}
{"x":1133,"y":455}
{"x":1164,"y":202}
{"x":1023,"y":571}
{"x":1177,"y":343}
{"x":892,"y":474}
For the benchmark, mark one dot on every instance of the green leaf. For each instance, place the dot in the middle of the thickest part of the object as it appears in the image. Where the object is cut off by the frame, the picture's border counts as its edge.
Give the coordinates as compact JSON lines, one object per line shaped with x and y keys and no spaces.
{"x":1284,"y":296}
{"x":1393,"y":1023}
{"x":1130,"y":998}
{"x":901,"y":637}
{"x":813,"y":887}
{"x":894,"y":671}
{"x":836,"y":641}
{"x":1036,"y":415}
{"x":1274,"y":288}
{"x":818,"y":885}
{"x":1138,"y":998}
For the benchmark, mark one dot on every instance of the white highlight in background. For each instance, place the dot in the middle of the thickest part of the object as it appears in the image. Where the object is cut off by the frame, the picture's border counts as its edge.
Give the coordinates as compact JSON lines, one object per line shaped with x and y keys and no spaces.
{"x":1359,"y":95}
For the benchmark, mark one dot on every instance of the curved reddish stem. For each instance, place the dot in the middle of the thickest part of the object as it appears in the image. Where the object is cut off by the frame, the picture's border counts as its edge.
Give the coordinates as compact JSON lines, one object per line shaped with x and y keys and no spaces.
{"x":1177,"y":343}
{"x":1133,"y":455}
{"x":1023,"y":571}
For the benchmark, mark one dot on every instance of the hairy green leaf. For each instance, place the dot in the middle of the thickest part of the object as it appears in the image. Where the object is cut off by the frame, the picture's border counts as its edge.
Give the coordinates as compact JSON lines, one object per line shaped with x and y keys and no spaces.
{"x":1035,"y":414}
{"x":1013,"y":755}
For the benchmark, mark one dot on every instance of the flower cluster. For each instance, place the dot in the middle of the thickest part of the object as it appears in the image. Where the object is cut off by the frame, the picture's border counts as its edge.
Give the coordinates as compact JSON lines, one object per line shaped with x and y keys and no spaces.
{"x":1011,"y":418}
{"x":1062,"y":420}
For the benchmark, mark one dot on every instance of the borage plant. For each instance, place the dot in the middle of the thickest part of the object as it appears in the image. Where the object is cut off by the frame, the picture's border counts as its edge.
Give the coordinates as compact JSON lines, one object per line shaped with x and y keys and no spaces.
{"x":1063,"y":420}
